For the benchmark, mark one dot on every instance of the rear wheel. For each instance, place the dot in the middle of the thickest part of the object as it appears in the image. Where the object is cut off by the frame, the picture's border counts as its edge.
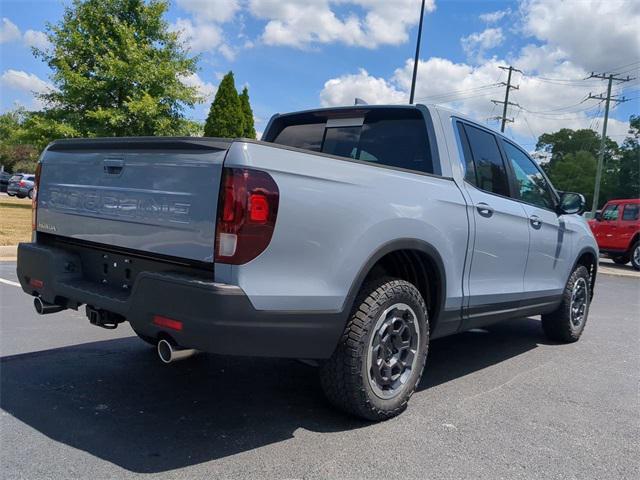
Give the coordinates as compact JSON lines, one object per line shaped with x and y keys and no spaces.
{"x":635,"y":255}
{"x":566,"y":324}
{"x":381,"y":355}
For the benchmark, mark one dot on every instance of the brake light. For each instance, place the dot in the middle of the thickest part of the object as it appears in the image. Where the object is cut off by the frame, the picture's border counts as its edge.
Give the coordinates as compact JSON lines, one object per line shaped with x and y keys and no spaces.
{"x":22,"y":183}
{"x":247,"y":212}
{"x":34,"y":201}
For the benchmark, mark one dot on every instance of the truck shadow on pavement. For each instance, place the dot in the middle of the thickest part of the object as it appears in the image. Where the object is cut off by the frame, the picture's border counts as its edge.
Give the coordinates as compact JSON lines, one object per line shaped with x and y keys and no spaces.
{"x":116,"y":401}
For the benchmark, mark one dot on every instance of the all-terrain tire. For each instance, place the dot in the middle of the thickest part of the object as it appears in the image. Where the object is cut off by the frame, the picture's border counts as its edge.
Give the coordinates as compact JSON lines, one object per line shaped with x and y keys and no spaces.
{"x":563,"y":324}
{"x":345,"y":376}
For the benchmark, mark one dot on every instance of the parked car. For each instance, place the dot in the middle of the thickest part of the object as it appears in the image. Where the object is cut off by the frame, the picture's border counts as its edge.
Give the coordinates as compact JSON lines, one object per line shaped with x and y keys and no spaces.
{"x":21,"y":185}
{"x":617,"y":231}
{"x":4,"y":181}
{"x":349,"y":236}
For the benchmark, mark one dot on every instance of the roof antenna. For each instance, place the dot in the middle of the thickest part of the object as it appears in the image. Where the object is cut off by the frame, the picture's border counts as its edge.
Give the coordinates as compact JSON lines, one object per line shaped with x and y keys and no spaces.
{"x":360,"y":101}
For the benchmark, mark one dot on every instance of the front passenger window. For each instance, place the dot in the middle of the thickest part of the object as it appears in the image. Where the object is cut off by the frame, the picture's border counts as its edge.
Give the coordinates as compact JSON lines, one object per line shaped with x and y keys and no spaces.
{"x":610,"y":213}
{"x":532,"y":186}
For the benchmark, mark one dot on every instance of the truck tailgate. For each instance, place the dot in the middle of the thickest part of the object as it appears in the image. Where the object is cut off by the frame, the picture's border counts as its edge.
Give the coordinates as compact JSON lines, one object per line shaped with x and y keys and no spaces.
{"x":157,"y":195}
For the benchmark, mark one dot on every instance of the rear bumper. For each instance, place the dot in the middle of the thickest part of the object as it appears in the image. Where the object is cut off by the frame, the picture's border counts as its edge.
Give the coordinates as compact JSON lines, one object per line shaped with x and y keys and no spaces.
{"x":215,"y":318}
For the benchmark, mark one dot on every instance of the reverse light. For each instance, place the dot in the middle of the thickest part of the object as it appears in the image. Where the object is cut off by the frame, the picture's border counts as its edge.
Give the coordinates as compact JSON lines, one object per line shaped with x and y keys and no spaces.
{"x":247,"y":211}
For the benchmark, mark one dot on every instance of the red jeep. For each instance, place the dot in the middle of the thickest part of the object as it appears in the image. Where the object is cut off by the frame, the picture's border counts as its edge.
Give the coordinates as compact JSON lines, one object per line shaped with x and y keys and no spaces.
{"x":617,"y":231}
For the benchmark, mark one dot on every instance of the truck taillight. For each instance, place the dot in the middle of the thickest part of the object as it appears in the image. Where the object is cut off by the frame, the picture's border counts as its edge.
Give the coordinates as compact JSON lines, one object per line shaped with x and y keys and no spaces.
{"x":247,"y":211}
{"x":34,"y":201}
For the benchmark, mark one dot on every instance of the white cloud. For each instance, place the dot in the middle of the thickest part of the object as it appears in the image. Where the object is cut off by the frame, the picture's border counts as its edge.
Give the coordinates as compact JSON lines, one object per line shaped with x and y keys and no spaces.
{"x":198,"y":37}
{"x":219,"y":11}
{"x":593,"y":34}
{"x":206,"y":91}
{"x":227,"y":52}
{"x":477,"y":44}
{"x":37,"y":39}
{"x":343,"y":90}
{"x":568,"y":40}
{"x":300,"y":23}
{"x":9,"y":32}
{"x":494,"y":17}
{"x":26,"y":82}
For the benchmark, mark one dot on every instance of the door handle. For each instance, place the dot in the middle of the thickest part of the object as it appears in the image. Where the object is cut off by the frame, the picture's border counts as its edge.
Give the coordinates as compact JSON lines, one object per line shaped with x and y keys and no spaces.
{"x":535,"y":222}
{"x":484,"y":209}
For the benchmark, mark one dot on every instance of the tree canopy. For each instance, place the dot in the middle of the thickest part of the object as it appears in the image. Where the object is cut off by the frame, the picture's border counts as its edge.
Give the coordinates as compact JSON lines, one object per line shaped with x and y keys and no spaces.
{"x":117,"y":70}
{"x":573,"y":162}
{"x":226,"y":116}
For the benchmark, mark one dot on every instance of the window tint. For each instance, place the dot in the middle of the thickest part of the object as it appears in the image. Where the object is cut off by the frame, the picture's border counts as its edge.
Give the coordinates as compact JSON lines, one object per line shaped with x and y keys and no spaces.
{"x":532,"y":186}
{"x":394,"y":137}
{"x":342,"y":141}
{"x":307,"y":136}
{"x":610,"y":213}
{"x":15,"y":178}
{"x":491,"y":174}
{"x":631,"y":212}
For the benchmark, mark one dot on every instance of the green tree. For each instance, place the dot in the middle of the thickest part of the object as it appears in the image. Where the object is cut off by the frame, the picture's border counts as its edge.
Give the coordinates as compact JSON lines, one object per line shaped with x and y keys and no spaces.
{"x":226,"y":117}
{"x":249,"y":128}
{"x":628,"y":185}
{"x":565,"y":141}
{"x":117,"y":70}
{"x":16,"y":154}
{"x":575,"y":172}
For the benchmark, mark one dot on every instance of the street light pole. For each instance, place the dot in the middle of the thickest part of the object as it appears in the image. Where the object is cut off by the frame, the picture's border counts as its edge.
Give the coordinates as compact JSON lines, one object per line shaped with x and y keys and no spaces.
{"x":415,"y":63}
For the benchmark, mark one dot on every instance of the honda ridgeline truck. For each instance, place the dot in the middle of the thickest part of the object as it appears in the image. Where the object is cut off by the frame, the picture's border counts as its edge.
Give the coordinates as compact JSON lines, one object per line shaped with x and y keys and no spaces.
{"x":348,"y":236}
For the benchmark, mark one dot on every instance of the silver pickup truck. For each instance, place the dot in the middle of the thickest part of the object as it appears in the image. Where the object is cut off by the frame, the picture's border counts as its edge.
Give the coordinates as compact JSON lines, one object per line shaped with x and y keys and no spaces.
{"x":347,"y":236}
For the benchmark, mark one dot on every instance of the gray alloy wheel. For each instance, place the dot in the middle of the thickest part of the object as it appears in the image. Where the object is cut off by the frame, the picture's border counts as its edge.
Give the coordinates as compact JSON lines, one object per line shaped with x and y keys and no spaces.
{"x":392,"y":352}
{"x":635,"y":256}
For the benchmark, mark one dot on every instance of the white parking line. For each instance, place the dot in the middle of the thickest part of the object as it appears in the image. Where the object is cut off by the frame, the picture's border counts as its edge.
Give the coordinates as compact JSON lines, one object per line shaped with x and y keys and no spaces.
{"x":9,"y":282}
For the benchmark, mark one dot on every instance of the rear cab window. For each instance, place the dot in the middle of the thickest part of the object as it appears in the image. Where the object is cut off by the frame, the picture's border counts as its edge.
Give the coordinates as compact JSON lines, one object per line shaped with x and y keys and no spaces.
{"x":391,"y":137}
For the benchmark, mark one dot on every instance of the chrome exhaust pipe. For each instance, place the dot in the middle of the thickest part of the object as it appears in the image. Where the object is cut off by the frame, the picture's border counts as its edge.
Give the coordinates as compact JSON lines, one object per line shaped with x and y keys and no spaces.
{"x":43,"y":308}
{"x":169,"y":352}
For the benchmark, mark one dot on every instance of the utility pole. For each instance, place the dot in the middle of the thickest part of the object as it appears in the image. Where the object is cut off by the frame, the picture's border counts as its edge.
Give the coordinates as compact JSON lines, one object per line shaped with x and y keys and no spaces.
{"x":506,"y":102}
{"x":608,"y":99}
{"x":415,"y":62}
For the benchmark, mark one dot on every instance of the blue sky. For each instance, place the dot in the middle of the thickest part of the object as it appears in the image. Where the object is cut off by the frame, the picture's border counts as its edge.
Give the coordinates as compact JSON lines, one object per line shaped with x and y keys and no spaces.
{"x":297,"y":54}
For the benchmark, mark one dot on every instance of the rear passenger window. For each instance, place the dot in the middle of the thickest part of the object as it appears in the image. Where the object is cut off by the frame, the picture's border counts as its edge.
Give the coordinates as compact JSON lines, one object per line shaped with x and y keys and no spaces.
{"x":490,"y":171}
{"x":631,"y":212}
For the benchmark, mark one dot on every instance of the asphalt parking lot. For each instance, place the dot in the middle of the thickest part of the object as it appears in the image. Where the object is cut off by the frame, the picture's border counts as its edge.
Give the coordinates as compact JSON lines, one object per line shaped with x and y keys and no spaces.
{"x":81,"y":402}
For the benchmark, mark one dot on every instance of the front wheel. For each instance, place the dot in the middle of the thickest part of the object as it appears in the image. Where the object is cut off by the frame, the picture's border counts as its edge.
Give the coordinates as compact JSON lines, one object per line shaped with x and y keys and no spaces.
{"x":566,"y":324}
{"x":381,"y":355}
{"x":635,"y":255}
{"x":30,"y":194}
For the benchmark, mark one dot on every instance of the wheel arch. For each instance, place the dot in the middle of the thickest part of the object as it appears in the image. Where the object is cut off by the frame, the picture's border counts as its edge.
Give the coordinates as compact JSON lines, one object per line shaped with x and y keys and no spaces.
{"x":588,"y":257}
{"x":413,"y":260}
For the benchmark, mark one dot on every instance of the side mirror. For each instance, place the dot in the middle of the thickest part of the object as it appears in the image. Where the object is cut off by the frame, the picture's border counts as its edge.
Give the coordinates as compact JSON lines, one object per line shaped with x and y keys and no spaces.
{"x":598,"y":216}
{"x":572,"y":203}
